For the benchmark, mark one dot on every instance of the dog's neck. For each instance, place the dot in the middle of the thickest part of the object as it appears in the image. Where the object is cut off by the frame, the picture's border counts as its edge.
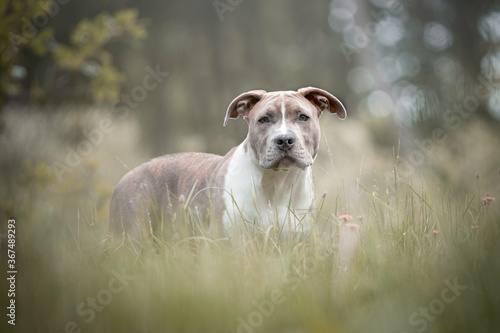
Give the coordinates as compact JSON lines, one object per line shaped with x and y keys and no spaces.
{"x":274,"y":182}
{"x":272,"y":192}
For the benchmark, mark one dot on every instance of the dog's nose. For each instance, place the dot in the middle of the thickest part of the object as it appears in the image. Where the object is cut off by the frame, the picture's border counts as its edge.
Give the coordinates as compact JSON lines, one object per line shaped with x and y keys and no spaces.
{"x":284,"y":141}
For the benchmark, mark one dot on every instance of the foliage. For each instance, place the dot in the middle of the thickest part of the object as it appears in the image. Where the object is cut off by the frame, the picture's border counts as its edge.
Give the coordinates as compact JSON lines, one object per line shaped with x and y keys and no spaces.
{"x":86,"y":54}
{"x":25,"y":32}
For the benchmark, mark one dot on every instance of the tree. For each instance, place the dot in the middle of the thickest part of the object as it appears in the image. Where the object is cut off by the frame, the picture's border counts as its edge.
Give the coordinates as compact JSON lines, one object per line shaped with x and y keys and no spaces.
{"x":25,"y":33}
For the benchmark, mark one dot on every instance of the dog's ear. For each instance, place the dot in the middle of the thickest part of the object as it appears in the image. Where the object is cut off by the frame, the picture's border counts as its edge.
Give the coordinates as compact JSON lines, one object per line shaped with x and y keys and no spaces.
{"x":323,"y":100}
{"x":243,"y":104}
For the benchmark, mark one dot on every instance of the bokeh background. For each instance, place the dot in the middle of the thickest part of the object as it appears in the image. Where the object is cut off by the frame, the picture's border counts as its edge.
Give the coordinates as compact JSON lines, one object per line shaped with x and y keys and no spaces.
{"x":80,"y":106}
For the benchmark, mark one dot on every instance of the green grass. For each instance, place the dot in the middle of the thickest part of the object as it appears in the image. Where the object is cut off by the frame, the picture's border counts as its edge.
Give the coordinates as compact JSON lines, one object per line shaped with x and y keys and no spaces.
{"x":409,"y":240}
{"x":341,"y":279}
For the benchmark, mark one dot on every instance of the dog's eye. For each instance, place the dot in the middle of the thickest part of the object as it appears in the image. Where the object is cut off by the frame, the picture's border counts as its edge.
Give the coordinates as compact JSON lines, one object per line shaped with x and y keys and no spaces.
{"x":264,"y":120}
{"x":303,"y":117}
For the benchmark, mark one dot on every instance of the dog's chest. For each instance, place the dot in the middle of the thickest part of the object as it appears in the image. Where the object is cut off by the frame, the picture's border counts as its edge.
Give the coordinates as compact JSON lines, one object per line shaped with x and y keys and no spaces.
{"x":258,"y":198}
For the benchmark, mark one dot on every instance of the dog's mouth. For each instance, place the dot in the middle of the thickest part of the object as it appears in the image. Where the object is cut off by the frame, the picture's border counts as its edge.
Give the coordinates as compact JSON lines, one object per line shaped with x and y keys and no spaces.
{"x":284,"y":163}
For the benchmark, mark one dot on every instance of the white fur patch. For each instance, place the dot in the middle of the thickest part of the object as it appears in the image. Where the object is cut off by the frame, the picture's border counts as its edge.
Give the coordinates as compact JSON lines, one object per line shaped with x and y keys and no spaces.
{"x":283,"y":129}
{"x":248,"y":187}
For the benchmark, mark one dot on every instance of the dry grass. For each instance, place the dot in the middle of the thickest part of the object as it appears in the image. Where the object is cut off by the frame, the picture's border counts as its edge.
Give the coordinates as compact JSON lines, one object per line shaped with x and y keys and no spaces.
{"x":409,"y":239}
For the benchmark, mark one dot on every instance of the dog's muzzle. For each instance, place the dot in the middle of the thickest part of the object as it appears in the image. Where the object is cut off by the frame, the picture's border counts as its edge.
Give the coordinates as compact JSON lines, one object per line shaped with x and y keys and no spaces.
{"x":283,"y":153}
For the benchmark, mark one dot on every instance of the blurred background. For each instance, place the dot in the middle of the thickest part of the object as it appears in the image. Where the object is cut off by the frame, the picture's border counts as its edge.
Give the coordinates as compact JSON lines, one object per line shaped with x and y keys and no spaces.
{"x":94,"y":88}
{"x":90,"y":89}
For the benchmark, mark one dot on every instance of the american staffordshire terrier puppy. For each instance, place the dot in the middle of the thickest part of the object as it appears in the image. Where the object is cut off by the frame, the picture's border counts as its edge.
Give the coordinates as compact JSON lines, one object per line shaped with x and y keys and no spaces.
{"x":266,"y":180}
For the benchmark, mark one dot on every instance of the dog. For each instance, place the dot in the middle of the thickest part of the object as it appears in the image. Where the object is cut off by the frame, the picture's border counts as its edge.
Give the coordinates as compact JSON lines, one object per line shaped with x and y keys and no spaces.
{"x":265,"y":181}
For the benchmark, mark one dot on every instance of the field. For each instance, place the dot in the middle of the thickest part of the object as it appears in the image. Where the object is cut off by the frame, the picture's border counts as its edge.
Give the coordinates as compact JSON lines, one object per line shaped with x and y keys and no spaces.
{"x":393,"y":252}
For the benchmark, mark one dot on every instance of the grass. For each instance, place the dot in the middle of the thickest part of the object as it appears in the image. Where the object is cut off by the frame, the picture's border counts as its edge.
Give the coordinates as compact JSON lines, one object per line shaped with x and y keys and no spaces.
{"x":418,"y":256}
{"x":342,"y":279}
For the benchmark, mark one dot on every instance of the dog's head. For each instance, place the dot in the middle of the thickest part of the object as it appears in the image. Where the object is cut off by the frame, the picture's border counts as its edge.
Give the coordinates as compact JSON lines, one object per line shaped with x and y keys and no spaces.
{"x":283,"y":126}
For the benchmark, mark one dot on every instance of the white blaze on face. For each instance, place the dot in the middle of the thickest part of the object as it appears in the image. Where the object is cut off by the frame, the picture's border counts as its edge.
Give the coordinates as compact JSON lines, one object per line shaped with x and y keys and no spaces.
{"x":283,"y":129}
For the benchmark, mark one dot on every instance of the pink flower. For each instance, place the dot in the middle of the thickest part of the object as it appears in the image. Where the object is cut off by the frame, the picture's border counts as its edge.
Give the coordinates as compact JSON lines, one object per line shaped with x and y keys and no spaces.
{"x":345,"y":217}
{"x":487,"y":200}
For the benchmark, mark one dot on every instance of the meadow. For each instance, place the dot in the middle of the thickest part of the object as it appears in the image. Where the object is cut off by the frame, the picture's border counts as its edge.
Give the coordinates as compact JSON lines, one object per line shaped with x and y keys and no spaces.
{"x":392,"y":252}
